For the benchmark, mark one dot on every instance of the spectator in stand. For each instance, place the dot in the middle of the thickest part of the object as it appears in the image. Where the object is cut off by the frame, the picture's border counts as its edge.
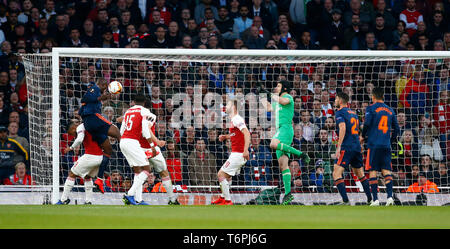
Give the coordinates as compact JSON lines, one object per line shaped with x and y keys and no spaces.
{"x":320,"y":178}
{"x":299,"y":180}
{"x":333,"y":32}
{"x":201,"y":169}
{"x":383,"y":33}
{"x":410,"y":148}
{"x":8,"y":147}
{"x":174,"y":159}
{"x":13,"y":129}
{"x":423,"y":185}
{"x":382,"y":10}
{"x":309,"y":129}
{"x":258,"y":170}
{"x":242,"y":22}
{"x":365,"y":16}
{"x":426,"y":134}
{"x":114,"y":183}
{"x":442,"y":177}
{"x":165,"y":13}
{"x":20,"y":176}
{"x":437,"y":26}
{"x":411,"y":17}
{"x":441,"y":117}
{"x":254,"y":40}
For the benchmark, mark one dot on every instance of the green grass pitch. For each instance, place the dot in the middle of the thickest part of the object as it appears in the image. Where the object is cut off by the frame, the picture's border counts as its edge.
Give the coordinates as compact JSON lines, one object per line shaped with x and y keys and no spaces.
{"x":224,"y":217}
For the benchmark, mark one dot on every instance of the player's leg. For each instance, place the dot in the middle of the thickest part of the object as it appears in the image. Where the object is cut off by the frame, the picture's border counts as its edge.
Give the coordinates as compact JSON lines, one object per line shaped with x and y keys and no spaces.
{"x":159,"y":165}
{"x":286,"y":176}
{"x":276,"y":144}
{"x":388,"y":181}
{"x":372,"y":165}
{"x":137,"y":159}
{"x":88,"y":189}
{"x":339,"y":183}
{"x":358,"y":170}
{"x":114,"y":132}
{"x":140,"y":180}
{"x":224,"y":187}
{"x":373,"y":182}
{"x":68,"y":186}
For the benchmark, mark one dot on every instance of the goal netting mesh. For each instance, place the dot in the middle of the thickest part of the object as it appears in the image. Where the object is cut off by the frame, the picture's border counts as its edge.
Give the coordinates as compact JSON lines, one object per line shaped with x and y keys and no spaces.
{"x":188,"y":94}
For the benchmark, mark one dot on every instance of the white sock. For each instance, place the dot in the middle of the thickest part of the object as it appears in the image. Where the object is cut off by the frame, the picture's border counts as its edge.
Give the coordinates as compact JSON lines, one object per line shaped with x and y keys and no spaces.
{"x":88,"y":187}
{"x":138,"y":194}
{"x":68,"y":185}
{"x":167,"y":184}
{"x":225,"y":186}
{"x":137,"y":183}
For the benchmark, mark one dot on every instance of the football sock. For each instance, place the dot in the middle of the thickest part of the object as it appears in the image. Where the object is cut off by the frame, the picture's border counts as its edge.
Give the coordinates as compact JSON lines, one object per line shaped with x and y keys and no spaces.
{"x":287,"y":180}
{"x":225,"y":187}
{"x":388,"y":182}
{"x":365,"y":183}
{"x":68,"y":185}
{"x":167,"y":184}
{"x":88,"y":187}
{"x":288,"y":149}
{"x":374,"y":187}
{"x":139,"y":180}
{"x":340,"y":185}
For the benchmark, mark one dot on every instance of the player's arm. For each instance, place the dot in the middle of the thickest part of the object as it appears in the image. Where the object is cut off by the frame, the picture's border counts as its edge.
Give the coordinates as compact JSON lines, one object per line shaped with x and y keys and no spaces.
{"x":122,"y":127}
{"x":246,"y":143}
{"x":266,"y":104}
{"x":340,"y":122}
{"x":224,"y":137}
{"x":367,"y":122}
{"x":155,"y":140}
{"x":281,"y":100}
{"x":342,"y":128}
{"x":396,"y":128}
{"x":78,"y":140}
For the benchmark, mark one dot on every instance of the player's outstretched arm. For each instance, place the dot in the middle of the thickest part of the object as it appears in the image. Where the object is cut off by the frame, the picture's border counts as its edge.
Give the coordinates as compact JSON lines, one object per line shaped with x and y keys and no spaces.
{"x":342,"y":128}
{"x":77,"y":142}
{"x":281,"y":100}
{"x":246,"y":143}
{"x":224,"y":137}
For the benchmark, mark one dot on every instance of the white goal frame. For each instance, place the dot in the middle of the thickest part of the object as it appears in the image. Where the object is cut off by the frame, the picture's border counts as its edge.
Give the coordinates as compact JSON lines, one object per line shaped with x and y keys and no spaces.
{"x":171,"y":54}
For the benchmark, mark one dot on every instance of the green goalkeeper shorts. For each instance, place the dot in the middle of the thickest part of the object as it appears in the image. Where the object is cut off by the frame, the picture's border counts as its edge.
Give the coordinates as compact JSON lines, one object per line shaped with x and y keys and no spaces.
{"x":286,"y":135}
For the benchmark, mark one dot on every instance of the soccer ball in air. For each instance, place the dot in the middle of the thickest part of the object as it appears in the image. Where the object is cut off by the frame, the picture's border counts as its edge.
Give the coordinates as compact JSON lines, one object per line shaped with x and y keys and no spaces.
{"x":115,"y":87}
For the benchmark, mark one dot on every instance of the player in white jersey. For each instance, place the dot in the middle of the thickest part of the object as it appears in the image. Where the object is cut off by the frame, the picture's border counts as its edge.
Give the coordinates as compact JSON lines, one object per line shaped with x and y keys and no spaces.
{"x":135,"y":125}
{"x":85,"y":167}
{"x":240,"y":141}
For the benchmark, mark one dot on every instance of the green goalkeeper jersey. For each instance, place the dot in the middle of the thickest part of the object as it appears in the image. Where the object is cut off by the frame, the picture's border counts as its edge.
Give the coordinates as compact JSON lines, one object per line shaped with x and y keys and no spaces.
{"x":283,"y":114}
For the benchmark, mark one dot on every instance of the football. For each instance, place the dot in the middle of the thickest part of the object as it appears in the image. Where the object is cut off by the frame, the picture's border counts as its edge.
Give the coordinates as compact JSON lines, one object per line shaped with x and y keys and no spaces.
{"x":115,"y":87}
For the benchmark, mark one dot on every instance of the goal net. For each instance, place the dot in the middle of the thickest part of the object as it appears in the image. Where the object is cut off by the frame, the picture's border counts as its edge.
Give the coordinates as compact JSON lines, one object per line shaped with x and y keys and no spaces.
{"x":188,"y":90}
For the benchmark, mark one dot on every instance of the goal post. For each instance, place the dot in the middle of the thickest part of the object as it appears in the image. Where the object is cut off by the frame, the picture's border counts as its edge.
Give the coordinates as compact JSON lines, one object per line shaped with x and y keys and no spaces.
{"x":181,"y":76}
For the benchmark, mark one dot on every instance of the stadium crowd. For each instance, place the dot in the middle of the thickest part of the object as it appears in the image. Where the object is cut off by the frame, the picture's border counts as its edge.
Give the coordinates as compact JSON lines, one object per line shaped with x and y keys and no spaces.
{"x":418,"y":90}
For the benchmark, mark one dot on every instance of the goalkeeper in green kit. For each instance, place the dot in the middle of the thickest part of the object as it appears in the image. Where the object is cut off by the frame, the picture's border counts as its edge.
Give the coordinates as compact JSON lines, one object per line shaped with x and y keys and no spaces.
{"x":282,"y":108}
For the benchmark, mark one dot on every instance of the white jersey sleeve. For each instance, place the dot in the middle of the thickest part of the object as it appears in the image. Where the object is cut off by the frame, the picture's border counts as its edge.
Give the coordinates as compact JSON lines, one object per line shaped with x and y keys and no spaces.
{"x":238,"y":122}
{"x":147,"y":118}
{"x":80,"y":136}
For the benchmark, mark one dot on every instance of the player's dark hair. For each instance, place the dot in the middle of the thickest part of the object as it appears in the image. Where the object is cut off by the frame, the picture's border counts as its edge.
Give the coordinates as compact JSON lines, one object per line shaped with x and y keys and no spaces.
{"x":285,"y":86}
{"x":378,"y":93}
{"x":343,"y":96}
{"x":139,"y":99}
